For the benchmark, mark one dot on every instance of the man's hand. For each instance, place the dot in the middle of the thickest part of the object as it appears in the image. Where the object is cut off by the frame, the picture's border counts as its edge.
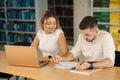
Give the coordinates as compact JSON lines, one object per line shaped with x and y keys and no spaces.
{"x":82,"y":65}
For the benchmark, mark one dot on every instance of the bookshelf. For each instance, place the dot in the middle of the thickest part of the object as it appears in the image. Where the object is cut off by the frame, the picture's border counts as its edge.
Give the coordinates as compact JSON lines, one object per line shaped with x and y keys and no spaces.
{"x":64,"y":10}
{"x":107,"y":12}
{"x":19,"y":19}
{"x":2,"y":22}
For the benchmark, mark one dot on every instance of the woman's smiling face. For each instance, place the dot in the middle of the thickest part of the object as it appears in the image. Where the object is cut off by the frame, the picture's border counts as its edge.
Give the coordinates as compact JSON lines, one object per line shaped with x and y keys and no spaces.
{"x":49,"y":25}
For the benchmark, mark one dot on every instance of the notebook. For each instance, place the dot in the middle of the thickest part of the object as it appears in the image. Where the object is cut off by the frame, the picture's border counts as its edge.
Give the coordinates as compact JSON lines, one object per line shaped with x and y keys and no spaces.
{"x":23,"y":56}
{"x":88,"y":71}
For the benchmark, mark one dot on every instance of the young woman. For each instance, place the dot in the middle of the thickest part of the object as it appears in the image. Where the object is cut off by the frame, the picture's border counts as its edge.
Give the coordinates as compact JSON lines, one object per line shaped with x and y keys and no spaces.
{"x":50,"y":39}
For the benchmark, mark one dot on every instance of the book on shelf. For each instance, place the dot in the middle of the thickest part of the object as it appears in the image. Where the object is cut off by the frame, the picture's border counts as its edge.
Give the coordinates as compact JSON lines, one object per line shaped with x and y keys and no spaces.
{"x":20,"y":38}
{"x":10,"y":14}
{"x":28,"y":3}
{"x":2,"y":25}
{"x":114,"y":31}
{"x":2,"y":36}
{"x":28,"y":27}
{"x":114,"y":17}
{"x":20,"y":3}
{"x":101,"y":3}
{"x":2,"y":14}
{"x":25,"y":14}
{"x":1,"y":3}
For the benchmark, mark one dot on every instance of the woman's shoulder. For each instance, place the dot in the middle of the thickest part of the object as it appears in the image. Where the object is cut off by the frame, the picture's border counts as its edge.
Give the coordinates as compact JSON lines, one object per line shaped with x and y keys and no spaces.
{"x":58,"y":31}
{"x":40,"y":32}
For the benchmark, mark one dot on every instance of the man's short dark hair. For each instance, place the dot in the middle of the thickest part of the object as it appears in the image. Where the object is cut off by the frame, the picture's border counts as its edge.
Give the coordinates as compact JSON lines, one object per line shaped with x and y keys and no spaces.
{"x":88,"y":22}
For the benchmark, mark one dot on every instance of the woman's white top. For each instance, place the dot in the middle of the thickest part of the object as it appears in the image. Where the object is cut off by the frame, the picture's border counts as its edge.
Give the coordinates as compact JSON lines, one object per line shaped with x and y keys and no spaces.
{"x":49,"y":42}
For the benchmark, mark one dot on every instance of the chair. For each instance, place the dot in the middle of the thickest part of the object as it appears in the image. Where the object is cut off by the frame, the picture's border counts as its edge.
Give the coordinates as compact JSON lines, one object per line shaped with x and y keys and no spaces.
{"x":117,"y":58}
{"x":5,"y":76}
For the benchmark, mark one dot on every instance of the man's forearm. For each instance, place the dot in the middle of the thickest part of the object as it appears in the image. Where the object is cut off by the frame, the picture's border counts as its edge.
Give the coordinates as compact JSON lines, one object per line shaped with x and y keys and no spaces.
{"x":103,"y":63}
{"x":68,"y":57}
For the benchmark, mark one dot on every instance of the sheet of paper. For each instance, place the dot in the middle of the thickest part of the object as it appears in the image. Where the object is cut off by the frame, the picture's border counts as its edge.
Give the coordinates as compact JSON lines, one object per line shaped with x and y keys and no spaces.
{"x":65,"y":65}
{"x":85,"y":71}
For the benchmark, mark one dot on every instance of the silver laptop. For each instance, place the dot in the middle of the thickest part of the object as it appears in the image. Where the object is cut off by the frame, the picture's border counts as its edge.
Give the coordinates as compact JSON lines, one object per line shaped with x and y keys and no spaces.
{"x":23,"y":56}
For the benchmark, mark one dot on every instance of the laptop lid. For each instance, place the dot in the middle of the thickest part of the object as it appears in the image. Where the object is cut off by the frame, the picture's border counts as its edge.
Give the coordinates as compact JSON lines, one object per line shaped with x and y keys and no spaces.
{"x":22,"y":56}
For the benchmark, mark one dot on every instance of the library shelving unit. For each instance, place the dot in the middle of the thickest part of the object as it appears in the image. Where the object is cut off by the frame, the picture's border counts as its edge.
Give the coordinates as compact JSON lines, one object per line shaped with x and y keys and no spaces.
{"x":2,"y":22}
{"x":64,"y":10}
{"x":107,"y":12}
{"x":19,"y":19}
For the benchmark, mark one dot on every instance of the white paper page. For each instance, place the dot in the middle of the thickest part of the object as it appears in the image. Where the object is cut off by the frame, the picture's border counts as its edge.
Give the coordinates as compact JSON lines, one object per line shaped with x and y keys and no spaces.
{"x":65,"y":65}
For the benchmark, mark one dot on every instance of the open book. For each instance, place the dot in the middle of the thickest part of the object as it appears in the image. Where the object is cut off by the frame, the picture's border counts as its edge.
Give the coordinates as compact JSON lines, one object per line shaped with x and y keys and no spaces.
{"x":65,"y":65}
{"x":89,"y":71}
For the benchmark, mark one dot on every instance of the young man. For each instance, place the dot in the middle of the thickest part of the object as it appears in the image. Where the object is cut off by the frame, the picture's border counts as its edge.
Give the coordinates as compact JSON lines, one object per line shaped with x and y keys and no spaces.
{"x":97,"y":46}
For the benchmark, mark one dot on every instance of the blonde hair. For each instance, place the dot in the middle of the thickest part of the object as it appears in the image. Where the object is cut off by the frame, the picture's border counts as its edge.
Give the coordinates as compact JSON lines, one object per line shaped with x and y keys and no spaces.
{"x":48,"y":14}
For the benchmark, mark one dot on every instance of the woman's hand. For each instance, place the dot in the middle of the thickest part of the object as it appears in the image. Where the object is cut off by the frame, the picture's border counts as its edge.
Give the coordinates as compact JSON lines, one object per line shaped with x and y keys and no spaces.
{"x":56,"y":58}
{"x":44,"y":59}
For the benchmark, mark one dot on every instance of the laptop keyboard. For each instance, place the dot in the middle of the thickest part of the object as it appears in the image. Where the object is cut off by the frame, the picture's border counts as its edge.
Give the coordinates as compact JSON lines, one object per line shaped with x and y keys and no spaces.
{"x":43,"y":63}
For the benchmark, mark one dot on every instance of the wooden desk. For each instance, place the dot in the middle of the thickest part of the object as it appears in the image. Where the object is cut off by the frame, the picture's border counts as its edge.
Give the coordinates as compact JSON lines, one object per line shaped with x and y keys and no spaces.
{"x":48,"y":72}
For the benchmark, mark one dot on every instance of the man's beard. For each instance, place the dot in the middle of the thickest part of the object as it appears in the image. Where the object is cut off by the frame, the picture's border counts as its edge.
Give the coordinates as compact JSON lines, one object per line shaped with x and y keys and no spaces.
{"x":92,"y":39}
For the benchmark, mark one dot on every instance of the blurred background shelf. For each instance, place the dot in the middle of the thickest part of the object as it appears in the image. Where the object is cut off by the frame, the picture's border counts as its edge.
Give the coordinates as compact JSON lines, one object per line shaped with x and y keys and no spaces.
{"x":107,"y":12}
{"x":19,"y":20}
{"x":64,"y":10}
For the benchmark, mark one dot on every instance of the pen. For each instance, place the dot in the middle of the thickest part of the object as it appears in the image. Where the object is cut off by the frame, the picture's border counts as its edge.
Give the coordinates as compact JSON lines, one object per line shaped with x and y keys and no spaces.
{"x":78,"y":59}
{"x":82,"y":62}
